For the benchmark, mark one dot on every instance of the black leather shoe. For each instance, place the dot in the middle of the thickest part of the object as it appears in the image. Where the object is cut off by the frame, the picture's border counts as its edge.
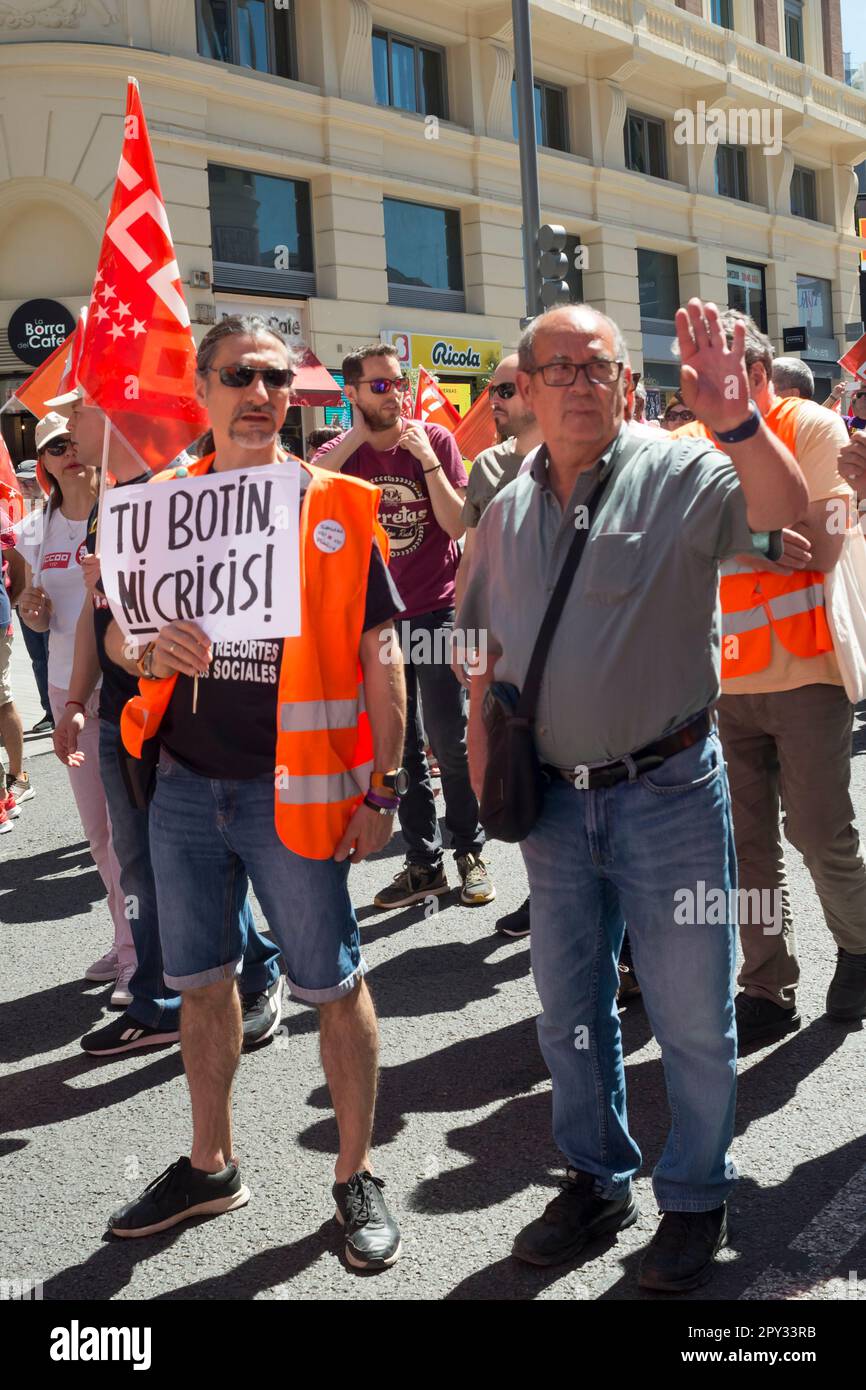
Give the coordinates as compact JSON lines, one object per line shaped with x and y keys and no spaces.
{"x":576,"y":1216}
{"x":846,"y":997}
{"x":681,"y":1253}
{"x":372,"y":1234}
{"x":761,"y":1019}
{"x":515,"y":923}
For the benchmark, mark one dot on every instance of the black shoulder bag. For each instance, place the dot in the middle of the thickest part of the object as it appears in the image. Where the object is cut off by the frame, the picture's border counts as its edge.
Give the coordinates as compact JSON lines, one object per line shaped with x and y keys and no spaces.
{"x":513,"y":792}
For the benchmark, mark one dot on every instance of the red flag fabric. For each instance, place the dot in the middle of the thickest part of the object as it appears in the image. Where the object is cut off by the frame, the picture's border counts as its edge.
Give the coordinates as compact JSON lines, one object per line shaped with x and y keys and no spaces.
{"x":138,"y":357}
{"x":477,"y":430}
{"x":854,"y":359}
{"x":432,"y":405}
{"x":11,"y":500}
{"x":44,"y":383}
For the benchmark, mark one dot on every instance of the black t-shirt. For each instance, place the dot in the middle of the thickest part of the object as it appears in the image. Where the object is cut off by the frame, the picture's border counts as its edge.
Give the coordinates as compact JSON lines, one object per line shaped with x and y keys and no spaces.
{"x":118,"y":685}
{"x":232,"y":734}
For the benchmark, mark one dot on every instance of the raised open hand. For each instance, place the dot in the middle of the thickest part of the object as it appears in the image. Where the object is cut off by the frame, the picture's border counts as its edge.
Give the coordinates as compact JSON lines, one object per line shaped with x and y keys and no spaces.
{"x":714,"y":382}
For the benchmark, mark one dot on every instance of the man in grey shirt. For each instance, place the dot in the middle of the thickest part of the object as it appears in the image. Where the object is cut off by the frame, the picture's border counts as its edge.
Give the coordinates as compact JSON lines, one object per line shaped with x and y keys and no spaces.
{"x":636,"y":820}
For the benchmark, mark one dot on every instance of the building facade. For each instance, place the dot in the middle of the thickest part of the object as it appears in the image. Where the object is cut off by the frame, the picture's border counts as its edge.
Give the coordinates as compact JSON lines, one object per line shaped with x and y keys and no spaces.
{"x":351,"y":168}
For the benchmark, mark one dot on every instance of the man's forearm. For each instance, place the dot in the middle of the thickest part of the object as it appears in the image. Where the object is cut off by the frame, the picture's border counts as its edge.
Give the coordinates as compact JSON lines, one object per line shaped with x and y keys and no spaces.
{"x":120,"y":651}
{"x":447,"y":504}
{"x":773,"y":486}
{"x":477,"y":732}
{"x":464,"y":567}
{"x":385,"y":695}
{"x":85,"y":662}
{"x":333,"y":459}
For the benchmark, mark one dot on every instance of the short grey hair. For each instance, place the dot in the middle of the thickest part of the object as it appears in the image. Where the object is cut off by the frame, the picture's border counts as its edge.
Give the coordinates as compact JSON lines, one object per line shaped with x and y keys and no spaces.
{"x":526,"y":346}
{"x":789,"y":374}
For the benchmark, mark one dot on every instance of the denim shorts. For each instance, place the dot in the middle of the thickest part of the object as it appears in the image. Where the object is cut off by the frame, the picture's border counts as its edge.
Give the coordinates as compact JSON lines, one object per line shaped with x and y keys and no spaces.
{"x":208,"y":840}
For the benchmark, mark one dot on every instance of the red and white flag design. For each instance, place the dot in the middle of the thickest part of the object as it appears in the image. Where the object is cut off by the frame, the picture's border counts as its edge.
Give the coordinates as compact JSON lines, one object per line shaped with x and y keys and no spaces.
{"x":432,"y":406}
{"x":138,"y":357}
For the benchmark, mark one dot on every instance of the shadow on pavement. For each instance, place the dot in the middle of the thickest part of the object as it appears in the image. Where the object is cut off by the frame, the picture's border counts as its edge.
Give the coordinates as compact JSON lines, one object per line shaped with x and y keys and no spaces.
{"x":46,"y":1095}
{"x":47,"y":887}
{"x":50,"y":1018}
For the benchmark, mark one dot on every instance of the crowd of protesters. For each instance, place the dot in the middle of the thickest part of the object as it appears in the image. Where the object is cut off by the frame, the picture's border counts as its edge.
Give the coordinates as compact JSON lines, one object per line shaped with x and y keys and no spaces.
{"x":698,"y":675}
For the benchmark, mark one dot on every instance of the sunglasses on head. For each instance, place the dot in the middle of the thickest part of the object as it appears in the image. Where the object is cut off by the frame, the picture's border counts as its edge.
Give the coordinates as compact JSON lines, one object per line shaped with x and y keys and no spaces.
{"x":505,"y":390}
{"x":55,"y":449}
{"x":381,"y":385}
{"x":240,"y":376}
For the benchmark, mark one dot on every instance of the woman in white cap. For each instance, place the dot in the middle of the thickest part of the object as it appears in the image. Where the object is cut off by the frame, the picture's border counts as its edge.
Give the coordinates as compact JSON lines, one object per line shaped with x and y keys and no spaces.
{"x":52,"y":602}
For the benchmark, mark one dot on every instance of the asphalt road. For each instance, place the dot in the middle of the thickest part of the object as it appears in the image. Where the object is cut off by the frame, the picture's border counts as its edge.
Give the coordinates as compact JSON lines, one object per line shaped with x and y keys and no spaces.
{"x":462,"y":1132}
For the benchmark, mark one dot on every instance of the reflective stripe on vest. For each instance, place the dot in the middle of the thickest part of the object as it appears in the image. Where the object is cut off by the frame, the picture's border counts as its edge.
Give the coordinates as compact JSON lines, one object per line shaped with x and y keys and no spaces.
{"x":784,"y":606}
{"x":311,"y":716}
{"x":322,"y":789}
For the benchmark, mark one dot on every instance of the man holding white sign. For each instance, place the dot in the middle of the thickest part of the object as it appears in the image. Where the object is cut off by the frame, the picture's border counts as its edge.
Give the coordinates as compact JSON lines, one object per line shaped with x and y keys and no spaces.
{"x":280,"y":627}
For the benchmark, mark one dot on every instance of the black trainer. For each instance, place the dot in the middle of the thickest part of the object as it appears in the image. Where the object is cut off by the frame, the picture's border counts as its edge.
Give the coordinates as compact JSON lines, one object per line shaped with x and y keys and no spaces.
{"x":123,"y":1035}
{"x":759,"y":1019}
{"x":413,"y":884}
{"x":681,"y":1253}
{"x":372,"y":1234}
{"x":572,"y":1219}
{"x":261,"y":1013}
{"x":177,"y":1194}
{"x":846,"y":997}
{"x":515,"y":923}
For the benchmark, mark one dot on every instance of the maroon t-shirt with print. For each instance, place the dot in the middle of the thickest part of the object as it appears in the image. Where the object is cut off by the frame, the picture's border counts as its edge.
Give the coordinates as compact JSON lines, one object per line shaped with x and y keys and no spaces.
{"x":424,"y":558}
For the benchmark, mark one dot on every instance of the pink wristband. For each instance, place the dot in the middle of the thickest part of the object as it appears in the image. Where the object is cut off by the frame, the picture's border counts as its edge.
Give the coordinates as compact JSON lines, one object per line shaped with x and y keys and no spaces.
{"x":77,"y":704}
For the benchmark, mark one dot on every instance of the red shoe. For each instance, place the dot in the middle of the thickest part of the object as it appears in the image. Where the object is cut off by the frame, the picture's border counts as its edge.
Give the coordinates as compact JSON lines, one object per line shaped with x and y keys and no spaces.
{"x":10,"y":806}
{"x":5,"y":822}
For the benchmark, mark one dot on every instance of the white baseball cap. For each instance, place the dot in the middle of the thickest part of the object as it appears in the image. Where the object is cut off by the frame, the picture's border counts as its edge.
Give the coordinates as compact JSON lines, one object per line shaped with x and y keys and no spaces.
{"x":51,"y":426}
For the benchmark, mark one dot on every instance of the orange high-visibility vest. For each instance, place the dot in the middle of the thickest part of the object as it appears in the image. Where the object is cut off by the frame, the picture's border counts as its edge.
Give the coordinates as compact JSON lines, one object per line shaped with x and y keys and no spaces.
{"x":756,"y":603}
{"x":323,"y":744}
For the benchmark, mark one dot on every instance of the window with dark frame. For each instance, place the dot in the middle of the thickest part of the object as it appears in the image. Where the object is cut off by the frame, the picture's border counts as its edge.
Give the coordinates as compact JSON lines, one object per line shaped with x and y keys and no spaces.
{"x":732,"y":176}
{"x":658,"y":285}
{"x":645,"y":145}
{"x":747,"y":290}
{"x":804,"y":194}
{"x":551,"y":121}
{"x":262,"y":231}
{"x":794,"y":46}
{"x":424,"y":255}
{"x":409,"y":75}
{"x":249,"y":33}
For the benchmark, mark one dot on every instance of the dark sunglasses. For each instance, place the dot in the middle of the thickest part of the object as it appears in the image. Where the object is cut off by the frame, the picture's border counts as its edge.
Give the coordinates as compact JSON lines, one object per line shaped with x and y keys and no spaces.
{"x":55,"y":450}
{"x":275,"y":378}
{"x":685,"y":415}
{"x":505,"y":390}
{"x":381,"y":385}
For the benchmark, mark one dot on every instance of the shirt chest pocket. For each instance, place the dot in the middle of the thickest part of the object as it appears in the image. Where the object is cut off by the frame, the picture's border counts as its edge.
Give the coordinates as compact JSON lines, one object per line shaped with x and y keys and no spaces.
{"x":611,"y":566}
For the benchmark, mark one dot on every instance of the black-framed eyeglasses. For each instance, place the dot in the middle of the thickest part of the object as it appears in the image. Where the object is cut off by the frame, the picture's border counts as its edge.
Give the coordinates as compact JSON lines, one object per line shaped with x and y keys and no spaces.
{"x":600,"y":371}
{"x":58,"y":447}
{"x":240,"y":376}
{"x":686,"y":416}
{"x":381,"y":385}
{"x":504,"y":390}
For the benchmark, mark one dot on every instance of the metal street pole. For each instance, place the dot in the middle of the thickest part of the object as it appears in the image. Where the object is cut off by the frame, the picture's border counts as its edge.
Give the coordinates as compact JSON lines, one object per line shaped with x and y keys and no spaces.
{"x":528,"y":151}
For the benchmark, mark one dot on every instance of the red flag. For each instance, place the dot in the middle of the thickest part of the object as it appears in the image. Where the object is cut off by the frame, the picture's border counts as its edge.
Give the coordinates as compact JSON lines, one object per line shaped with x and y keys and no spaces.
{"x":855,"y":358}
{"x":477,"y":430}
{"x":44,"y":383}
{"x":432,"y":405}
{"x":138,"y":358}
{"x":11,"y":500}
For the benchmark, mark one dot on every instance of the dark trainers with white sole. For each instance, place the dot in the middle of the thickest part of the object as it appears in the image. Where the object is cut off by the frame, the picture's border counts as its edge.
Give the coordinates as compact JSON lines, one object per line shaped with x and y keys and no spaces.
{"x":178,"y":1194}
{"x":124,"y":1034}
{"x":261,"y":1013}
{"x":372,"y":1235}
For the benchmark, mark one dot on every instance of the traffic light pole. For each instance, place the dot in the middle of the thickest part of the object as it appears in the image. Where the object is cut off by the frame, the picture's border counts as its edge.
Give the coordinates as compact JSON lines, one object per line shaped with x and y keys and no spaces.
{"x":528,"y":151}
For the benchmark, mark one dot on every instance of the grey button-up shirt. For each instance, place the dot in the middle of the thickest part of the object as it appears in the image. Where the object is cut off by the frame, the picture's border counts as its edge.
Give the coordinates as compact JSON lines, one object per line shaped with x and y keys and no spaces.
{"x":636,"y":652}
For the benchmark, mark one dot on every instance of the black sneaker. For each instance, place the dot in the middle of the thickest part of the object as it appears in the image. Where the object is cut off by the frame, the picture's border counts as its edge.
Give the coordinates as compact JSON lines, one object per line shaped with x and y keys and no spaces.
{"x":846,"y":997}
{"x":572,"y":1219}
{"x":515,"y":923}
{"x":178,"y":1193}
{"x":123,"y":1035}
{"x":44,"y":726}
{"x":759,"y":1019}
{"x":372,"y":1234}
{"x":261,"y":1013}
{"x":413,"y":884}
{"x":681,"y":1253}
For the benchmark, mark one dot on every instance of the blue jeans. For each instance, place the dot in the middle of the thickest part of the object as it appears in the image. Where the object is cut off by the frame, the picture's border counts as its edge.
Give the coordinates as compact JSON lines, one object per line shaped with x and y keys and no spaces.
{"x":209,"y":839}
{"x":153,"y":1004}
{"x":658,"y":853}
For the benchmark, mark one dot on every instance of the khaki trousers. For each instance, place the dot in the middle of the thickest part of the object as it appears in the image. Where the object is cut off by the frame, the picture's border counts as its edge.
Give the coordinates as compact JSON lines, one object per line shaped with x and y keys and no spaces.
{"x":792,"y":750}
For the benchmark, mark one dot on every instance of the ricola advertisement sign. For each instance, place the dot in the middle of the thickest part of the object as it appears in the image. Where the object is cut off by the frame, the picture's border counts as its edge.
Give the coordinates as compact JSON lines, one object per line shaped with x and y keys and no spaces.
{"x":469,"y":356}
{"x":37,"y":328}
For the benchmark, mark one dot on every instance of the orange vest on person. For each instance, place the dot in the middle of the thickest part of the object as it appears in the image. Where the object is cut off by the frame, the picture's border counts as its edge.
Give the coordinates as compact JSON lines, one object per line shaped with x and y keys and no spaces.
{"x":323,"y":744}
{"x":756,"y":603}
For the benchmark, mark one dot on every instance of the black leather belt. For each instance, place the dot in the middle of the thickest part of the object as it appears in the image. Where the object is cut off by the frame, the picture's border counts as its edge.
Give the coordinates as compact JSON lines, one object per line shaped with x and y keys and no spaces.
{"x":644,"y":760}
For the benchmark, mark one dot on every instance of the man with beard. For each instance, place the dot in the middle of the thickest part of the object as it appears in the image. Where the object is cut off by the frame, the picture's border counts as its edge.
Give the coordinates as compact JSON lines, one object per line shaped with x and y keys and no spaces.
{"x":422,"y":480}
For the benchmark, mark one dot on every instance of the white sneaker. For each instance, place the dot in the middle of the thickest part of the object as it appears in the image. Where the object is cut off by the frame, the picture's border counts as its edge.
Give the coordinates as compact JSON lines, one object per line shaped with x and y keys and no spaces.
{"x":103,"y":969}
{"x":21,"y":788}
{"x":121,"y":995}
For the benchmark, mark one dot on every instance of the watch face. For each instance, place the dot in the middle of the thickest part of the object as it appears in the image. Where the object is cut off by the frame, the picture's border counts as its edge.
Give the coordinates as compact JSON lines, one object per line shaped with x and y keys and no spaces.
{"x":400,"y":781}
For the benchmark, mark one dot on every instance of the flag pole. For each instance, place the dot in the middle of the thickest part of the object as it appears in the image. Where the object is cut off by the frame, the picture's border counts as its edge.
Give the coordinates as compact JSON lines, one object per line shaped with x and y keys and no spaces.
{"x":103,"y":474}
